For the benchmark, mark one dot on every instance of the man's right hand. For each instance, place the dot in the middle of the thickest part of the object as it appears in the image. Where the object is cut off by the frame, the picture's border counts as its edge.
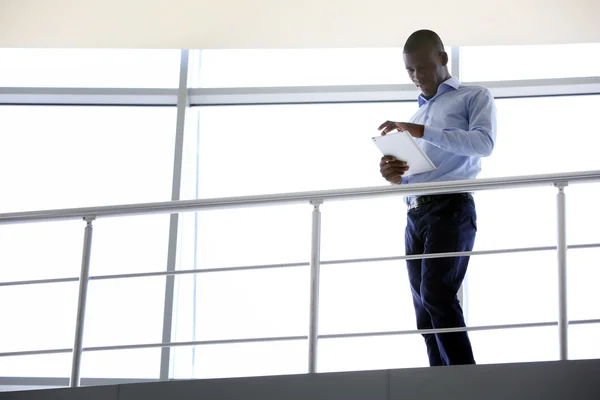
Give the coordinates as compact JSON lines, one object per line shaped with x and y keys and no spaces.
{"x":392,"y":169}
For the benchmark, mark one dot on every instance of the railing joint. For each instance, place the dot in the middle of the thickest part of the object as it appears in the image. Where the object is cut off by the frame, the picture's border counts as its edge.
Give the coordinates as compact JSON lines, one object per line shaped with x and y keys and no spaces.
{"x":561,"y":184}
{"x":316,"y":202}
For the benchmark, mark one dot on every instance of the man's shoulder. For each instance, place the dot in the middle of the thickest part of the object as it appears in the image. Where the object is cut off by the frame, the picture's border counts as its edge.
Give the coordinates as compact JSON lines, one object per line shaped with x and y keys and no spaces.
{"x":475,"y":90}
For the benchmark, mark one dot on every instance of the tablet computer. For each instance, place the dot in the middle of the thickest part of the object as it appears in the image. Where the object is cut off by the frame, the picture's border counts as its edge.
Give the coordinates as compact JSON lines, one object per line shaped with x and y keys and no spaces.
{"x":402,"y":146}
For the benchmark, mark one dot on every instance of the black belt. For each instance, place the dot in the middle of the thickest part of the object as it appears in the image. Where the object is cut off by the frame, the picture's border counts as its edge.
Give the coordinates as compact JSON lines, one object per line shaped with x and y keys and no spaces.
{"x":416,"y":202}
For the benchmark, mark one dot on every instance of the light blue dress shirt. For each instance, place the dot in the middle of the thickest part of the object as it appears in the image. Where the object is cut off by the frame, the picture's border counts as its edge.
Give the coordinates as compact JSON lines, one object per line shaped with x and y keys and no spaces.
{"x":460,"y":128}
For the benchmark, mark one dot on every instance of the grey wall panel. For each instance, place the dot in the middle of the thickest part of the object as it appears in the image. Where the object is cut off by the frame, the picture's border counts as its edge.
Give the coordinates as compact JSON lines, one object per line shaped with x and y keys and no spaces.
{"x":372,"y":385}
{"x":83,"y":393}
{"x":528,"y":381}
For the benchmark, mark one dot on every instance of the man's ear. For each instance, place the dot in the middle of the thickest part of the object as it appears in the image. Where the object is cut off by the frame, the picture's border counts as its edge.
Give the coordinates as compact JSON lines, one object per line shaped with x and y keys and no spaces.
{"x":444,"y":58}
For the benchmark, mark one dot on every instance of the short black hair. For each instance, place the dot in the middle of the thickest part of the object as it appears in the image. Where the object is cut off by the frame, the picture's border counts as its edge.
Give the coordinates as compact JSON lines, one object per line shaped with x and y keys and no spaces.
{"x":423,"y":38}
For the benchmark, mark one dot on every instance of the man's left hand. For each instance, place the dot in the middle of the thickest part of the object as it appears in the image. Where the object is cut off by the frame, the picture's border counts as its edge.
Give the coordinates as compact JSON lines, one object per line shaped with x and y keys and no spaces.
{"x":415,"y":130}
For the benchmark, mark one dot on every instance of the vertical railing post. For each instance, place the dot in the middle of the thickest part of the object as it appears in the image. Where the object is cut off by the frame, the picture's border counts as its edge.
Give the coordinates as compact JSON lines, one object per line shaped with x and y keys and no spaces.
{"x":463,"y":298}
{"x":563,"y":321}
{"x":82,"y":301}
{"x":315,"y":262}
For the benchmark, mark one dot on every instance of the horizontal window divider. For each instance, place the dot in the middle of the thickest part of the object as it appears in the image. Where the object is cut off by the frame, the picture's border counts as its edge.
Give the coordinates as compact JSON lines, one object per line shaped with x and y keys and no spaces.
{"x":169,"y":207}
{"x":88,"y":96}
{"x":542,"y":87}
{"x":280,"y":95}
{"x":302,"y":264}
{"x":381,"y":93}
{"x":302,"y":95}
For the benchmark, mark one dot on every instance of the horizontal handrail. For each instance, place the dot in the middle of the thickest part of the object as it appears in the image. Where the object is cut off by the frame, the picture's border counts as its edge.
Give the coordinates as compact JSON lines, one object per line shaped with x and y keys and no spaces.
{"x":295,"y":338}
{"x":169,"y":207}
{"x":299,"y":264}
{"x":314,"y":197}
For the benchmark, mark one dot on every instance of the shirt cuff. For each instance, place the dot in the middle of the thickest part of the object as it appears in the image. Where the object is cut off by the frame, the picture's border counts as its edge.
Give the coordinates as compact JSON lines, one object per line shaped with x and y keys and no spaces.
{"x":433,"y":135}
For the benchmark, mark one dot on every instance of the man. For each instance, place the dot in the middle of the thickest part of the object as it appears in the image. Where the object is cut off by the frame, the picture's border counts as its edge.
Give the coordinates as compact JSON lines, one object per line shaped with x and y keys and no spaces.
{"x":455,"y":126}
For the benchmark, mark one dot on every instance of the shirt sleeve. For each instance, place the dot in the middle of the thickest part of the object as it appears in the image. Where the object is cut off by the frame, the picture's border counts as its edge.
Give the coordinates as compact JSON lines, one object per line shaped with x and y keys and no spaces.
{"x":479,"y":139}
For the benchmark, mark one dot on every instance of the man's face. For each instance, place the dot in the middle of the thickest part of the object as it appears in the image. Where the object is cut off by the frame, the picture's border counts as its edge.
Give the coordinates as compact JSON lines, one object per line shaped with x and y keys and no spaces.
{"x":425,"y":68}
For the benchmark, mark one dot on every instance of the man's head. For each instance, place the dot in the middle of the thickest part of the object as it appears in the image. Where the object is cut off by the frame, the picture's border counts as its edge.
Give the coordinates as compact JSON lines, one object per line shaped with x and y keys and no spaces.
{"x":426,"y":61}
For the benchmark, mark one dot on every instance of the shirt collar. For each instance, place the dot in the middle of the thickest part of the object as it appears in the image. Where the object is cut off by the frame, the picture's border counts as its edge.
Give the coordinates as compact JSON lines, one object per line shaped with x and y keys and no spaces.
{"x":448,"y":84}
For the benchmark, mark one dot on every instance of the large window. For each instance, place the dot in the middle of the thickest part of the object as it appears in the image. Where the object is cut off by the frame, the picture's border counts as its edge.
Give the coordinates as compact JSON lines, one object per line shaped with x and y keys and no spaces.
{"x":375,"y":296}
{"x":59,"y":157}
{"x":307,"y":67}
{"x":85,"y":156}
{"x":544,"y":135}
{"x":497,"y":63}
{"x":288,"y":148}
{"x":531,"y":143}
{"x":253,"y":275}
{"x":112,"y":68}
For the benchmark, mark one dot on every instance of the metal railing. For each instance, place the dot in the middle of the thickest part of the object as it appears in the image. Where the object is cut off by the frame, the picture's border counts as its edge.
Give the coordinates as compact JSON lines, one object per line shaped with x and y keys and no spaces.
{"x":315,"y":199}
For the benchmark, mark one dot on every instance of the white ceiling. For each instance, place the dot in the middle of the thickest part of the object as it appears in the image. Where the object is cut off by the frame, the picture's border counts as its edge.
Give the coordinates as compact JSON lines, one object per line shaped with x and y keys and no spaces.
{"x":292,"y":23}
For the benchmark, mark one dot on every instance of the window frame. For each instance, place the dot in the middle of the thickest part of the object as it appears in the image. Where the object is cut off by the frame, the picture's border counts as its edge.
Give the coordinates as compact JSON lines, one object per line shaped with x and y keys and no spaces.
{"x":187,"y":95}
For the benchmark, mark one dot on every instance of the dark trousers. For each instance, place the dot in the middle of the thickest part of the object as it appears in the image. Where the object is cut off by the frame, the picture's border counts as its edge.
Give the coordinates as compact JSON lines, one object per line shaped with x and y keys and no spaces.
{"x":445,"y":224}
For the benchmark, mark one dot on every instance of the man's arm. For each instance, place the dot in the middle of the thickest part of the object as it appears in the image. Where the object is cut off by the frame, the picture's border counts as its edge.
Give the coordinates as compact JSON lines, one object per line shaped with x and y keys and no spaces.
{"x":479,"y":139}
